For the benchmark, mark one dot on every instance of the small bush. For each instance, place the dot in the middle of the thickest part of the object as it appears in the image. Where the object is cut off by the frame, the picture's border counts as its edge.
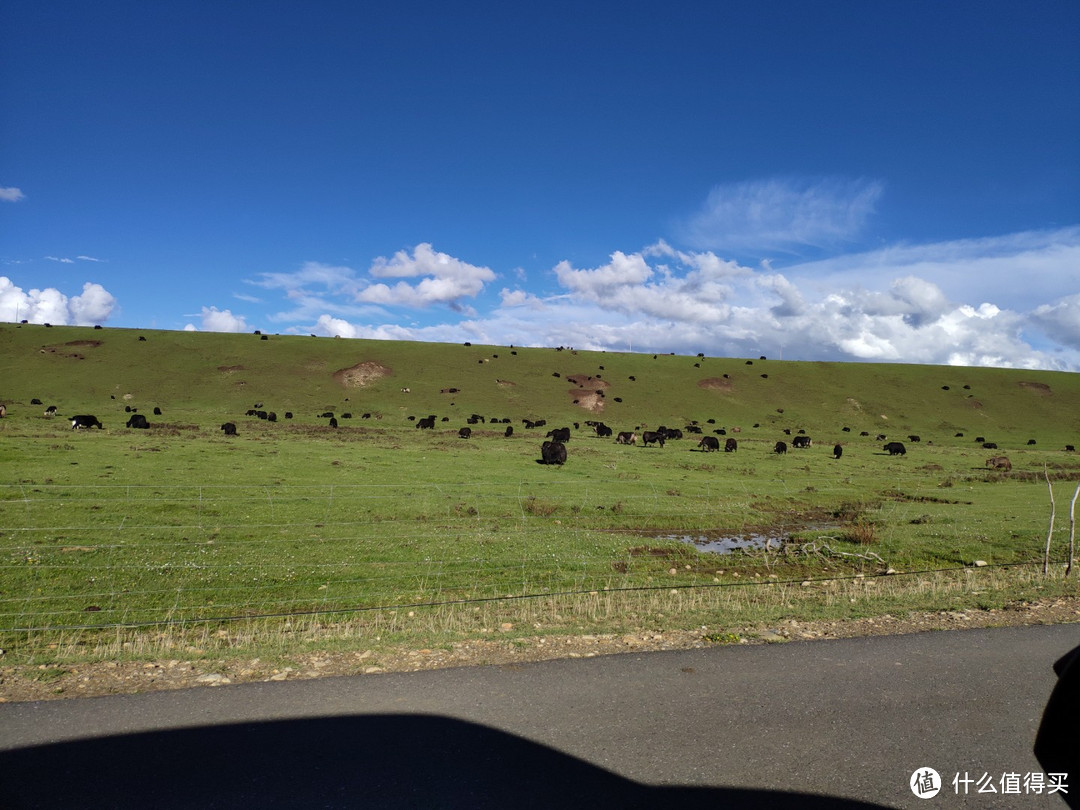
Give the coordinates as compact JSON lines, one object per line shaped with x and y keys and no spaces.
{"x":862,"y":532}
{"x":539,"y":508}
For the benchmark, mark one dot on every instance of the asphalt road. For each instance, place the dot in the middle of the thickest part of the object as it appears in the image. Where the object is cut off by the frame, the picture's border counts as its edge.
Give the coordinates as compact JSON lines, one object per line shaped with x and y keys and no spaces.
{"x":802,"y":724}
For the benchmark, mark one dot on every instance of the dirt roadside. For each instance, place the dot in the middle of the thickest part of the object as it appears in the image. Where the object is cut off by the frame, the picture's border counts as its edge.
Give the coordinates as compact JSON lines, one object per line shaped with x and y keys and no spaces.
{"x":45,"y":682}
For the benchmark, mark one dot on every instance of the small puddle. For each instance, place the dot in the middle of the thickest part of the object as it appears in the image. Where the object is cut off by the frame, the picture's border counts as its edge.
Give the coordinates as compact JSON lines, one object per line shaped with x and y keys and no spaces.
{"x":725,"y":542}
{"x":728,"y":543}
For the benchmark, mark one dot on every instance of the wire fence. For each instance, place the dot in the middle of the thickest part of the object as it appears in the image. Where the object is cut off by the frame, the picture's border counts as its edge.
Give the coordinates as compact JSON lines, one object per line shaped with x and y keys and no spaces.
{"x":125,"y":555}
{"x":122,"y":554}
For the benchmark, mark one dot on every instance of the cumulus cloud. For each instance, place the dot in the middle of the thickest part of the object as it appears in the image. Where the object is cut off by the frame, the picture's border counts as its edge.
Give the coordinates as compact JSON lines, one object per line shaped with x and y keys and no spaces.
{"x":316,"y":288}
{"x":445,"y":280}
{"x":328,"y":326}
{"x":781,"y":214}
{"x":1009,"y":300}
{"x":94,"y":305}
{"x":11,"y":194}
{"x":1060,"y":320}
{"x":222,"y":320}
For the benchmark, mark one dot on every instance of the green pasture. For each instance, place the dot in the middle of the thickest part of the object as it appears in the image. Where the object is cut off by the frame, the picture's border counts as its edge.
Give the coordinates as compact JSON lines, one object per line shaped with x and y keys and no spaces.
{"x":181,"y":523}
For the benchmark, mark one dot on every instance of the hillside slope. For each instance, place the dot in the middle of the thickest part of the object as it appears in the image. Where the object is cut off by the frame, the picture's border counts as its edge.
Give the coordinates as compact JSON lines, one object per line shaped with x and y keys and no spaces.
{"x":203,"y":378}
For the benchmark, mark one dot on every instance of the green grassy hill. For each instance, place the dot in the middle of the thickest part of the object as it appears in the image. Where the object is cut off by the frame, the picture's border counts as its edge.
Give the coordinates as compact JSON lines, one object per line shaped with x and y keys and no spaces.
{"x":181,"y":526}
{"x":206,"y":378}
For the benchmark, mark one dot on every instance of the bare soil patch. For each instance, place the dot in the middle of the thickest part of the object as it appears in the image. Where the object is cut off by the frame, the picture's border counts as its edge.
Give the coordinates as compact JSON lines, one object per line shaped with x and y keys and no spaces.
{"x":230,"y":369}
{"x":589,"y":400}
{"x":362,"y":374}
{"x":504,"y":648}
{"x":716,"y":384}
{"x":589,"y":393}
{"x":1042,"y":389}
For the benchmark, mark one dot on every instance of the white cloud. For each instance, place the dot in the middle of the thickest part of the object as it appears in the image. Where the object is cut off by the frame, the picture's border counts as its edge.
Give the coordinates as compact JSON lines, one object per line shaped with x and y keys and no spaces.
{"x":61,"y":260}
{"x":215,"y":320}
{"x":977,"y":302}
{"x":319,"y":289}
{"x":446,"y":280}
{"x":604,"y":281}
{"x":49,"y":305}
{"x":1060,"y":320}
{"x":11,"y":194}
{"x":782,"y":214}
{"x":93,"y":306}
{"x":334,"y":327}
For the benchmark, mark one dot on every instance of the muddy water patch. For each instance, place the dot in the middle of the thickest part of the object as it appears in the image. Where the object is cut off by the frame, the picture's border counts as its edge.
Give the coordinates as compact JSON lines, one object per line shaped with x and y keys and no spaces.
{"x":728,"y":541}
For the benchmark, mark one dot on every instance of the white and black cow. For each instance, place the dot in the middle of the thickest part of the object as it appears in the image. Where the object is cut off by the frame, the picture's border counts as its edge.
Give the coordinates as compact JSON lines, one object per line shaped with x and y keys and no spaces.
{"x":84,"y":422}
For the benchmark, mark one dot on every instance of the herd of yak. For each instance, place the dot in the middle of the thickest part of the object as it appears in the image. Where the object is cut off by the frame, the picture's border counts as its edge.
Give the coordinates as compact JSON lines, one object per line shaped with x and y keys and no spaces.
{"x":553,"y":451}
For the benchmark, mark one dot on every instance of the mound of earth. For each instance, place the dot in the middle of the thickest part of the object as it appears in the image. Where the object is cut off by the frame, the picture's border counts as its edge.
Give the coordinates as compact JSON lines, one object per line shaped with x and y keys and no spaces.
{"x":589,"y":400}
{"x":362,"y":374}
{"x":589,"y":391}
{"x":715,"y":384}
{"x":1038,"y":387}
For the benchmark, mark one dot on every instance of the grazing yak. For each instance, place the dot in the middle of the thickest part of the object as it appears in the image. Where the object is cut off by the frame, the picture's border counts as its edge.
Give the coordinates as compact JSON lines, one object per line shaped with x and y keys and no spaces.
{"x":652,"y":437}
{"x":731,"y":446}
{"x":801,"y":441}
{"x":780,"y":448}
{"x":50,"y":411}
{"x":85,"y":422}
{"x":895,"y":449}
{"x":626,"y":437}
{"x":561,"y":435}
{"x":464,"y":433}
{"x":229,"y":428}
{"x":999,"y":463}
{"x":553,"y":453}
{"x":138,"y":421}
{"x":837,"y":451}
{"x":427,"y":423}
{"x":709,"y":443}
{"x":509,"y":431}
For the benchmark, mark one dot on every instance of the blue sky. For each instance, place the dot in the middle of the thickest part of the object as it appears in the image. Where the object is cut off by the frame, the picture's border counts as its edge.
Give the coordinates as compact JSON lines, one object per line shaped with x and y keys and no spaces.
{"x":817,"y":181}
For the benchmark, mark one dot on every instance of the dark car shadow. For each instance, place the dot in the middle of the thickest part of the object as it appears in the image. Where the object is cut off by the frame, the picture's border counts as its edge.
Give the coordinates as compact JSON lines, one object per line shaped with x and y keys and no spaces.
{"x":369,"y":761}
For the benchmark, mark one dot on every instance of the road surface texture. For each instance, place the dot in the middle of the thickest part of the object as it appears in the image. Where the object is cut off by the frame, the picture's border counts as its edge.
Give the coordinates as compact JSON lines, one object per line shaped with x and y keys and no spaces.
{"x":842,"y":723}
